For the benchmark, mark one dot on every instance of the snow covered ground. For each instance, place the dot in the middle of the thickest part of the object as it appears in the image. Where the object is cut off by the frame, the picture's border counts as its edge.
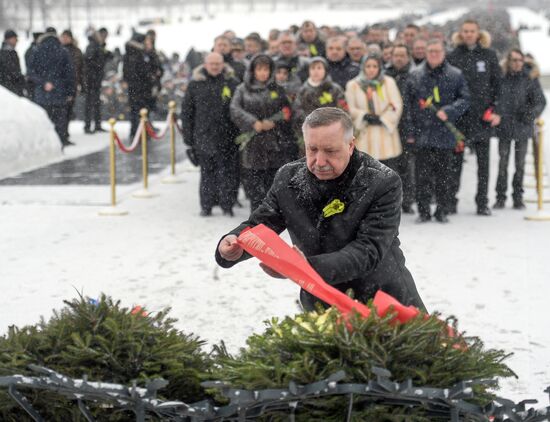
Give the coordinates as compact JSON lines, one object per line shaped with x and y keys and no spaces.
{"x":492,"y":273}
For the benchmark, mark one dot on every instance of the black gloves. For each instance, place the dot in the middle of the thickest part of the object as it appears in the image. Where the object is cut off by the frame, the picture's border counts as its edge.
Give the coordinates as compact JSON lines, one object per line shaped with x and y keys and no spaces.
{"x":372,"y":119}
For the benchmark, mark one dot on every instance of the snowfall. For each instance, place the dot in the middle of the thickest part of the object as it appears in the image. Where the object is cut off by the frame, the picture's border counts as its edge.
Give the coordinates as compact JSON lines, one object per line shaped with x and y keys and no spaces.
{"x":492,"y":273}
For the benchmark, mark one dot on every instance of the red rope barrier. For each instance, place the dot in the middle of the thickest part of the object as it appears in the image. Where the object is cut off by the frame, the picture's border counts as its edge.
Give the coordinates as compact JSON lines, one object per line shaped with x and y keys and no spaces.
{"x":135,"y":143}
{"x":180,"y":128}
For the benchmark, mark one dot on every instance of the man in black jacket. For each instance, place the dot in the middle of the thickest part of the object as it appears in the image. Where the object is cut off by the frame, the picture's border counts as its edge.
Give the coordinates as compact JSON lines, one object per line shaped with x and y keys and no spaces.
{"x":10,"y":69}
{"x":340,"y":67}
{"x":209,"y":131}
{"x":357,"y":247}
{"x":399,"y":69}
{"x":95,"y":57}
{"x":480,"y":67}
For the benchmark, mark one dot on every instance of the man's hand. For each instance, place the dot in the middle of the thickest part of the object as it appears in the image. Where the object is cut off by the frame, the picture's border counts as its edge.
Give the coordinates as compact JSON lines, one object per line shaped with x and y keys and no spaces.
{"x":495,"y":120}
{"x":229,"y":249}
{"x":442,"y":116}
{"x":48,"y":86}
{"x":258,"y":126}
{"x":267,"y":125}
{"x":270,"y":272}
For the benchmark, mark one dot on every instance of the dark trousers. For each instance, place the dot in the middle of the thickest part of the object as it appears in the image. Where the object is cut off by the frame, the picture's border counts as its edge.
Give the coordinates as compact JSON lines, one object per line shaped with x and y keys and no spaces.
{"x":405,"y":169}
{"x":58,"y":116}
{"x":256,"y":183}
{"x":70,"y":115}
{"x":136,"y":104}
{"x":480,"y":143}
{"x":219,"y":180}
{"x":432,"y":171}
{"x":93,"y":108}
{"x":520,"y":150}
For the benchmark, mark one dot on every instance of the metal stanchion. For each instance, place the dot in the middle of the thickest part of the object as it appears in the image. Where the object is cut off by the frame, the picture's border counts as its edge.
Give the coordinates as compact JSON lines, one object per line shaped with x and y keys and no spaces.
{"x":113,"y":209}
{"x":144,"y":193}
{"x":172,"y":178}
{"x":540,"y":215}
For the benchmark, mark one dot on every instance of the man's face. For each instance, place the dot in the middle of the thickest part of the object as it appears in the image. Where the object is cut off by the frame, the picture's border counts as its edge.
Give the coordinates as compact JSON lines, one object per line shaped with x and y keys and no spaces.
{"x":336,"y":51}
{"x":12,"y":41}
{"x":327,"y":151}
{"x":435,"y":55}
{"x":222,"y":46}
{"x":399,"y":58}
{"x":419,"y":50}
{"x":470,"y":34}
{"x":386,"y":54}
{"x":287,"y":46}
{"x":65,"y":39}
{"x":356,"y":50}
{"x":409,"y":34}
{"x":214,"y":64}
{"x":273,"y":47}
{"x":309,"y":33}
{"x":252,"y":47}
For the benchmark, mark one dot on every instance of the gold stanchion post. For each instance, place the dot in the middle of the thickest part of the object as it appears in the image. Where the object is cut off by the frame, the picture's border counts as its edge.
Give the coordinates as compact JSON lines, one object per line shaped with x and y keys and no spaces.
{"x":112,"y":210}
{"x":144,"y":193}
{"x":540,"y":215}
{"x":172,"y":122}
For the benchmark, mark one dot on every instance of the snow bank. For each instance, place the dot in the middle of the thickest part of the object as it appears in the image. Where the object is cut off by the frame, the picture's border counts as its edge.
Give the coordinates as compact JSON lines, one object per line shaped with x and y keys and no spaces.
{"x":28,"y":136}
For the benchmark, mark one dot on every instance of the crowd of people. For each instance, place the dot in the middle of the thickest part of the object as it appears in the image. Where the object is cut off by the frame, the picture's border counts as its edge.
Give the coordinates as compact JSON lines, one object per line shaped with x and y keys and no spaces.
{"x":414,"y":101}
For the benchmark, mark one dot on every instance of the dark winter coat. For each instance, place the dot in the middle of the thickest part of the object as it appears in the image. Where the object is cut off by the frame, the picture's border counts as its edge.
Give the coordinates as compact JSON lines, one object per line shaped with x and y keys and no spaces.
{"x":309,"y":98}
{"x":316,"y":47}
{"x":343,"y":71}
{"x":481,"y":69}
{"x":298,"y":65}
{"x":520,"y":103}
{"x":402,"y":77}
{"x":358,"y":248}
{"x":153,"y":68}
{"x":239,"y":68}
{"x":205,"y":116}
{"x":78,"y":62}
{"x":427,"y":129}
{"x":10,"y":70}
{"x":51,"y":62}
{"x":252,"y":102}
{"x":95,"y":57}
{"x":137,"y":75}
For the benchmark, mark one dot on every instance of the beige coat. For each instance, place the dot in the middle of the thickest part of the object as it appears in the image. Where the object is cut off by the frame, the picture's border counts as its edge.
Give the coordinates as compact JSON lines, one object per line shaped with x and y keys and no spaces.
{"x":379,"y":141}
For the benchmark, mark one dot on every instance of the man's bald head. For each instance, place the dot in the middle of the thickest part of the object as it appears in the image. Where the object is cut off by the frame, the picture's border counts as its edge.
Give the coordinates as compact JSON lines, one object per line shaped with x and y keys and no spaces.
{"x":213,"y":63}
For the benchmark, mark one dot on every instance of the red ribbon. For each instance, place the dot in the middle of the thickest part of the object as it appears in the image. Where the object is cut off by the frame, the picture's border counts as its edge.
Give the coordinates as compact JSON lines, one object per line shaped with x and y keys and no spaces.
{"x":268,"y":247}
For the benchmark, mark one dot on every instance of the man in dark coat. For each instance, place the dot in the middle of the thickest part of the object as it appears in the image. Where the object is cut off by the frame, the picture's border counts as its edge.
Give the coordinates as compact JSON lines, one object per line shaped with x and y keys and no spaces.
{"x":76,"y":56}
{"x":340,"y":67}
{"x":309,"y":35}
{"x":209,"y":131}
{"x":28,"y":59}
{"x":140,"y":83}
{"x":480,"y":67}
{"x":444,"y":84}
{"x":95,"y":57}
{"x":399,"y":69}
{"x":10,"y":69}
{"x":222,"y":45}
{"x":288,"y":52}
{"x":53,"y":75}
{"x":521,"y":101}
{"x":355,"y":248}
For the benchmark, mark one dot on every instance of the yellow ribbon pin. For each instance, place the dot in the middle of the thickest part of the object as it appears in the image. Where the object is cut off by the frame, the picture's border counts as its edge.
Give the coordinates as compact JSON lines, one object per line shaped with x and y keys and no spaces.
{"x":226,"y":92}
{"x":335,"y":207}
{"x":326,"y":98}
{"x":274,"y":95}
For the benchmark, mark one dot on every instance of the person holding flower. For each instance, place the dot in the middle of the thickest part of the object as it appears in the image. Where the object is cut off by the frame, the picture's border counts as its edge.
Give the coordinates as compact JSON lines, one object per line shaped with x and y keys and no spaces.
{"x":375,"y":106}
{"x":261,"y":111}
{"x":438,"y":95}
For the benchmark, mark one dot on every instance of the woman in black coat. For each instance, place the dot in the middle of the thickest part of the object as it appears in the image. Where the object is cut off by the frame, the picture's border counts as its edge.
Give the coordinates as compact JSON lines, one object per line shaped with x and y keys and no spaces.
{"x":261,"y":111}
{"x":520,"y":103}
